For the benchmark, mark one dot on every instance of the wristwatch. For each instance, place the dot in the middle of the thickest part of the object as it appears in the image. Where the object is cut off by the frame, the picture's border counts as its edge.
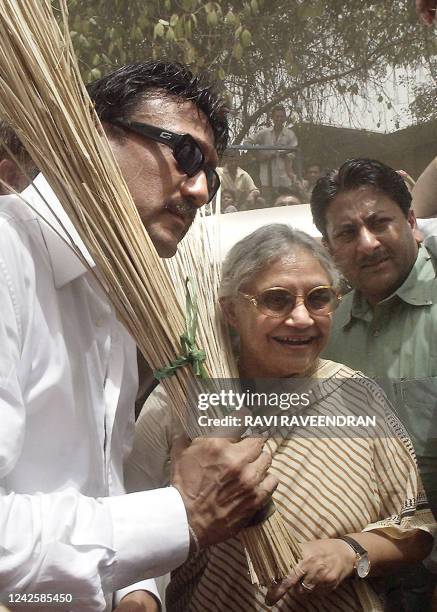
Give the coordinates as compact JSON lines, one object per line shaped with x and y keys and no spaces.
{"x":362,"y":562}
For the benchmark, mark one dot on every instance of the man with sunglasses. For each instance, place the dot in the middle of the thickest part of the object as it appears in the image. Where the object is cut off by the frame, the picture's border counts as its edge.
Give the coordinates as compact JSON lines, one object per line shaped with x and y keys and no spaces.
{"x":69,"y":535}
{"x":167,"y":146}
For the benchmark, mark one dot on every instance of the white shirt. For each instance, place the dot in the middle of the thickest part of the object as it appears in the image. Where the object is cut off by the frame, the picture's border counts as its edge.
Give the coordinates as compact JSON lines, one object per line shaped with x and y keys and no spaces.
{"x":67,"y":388}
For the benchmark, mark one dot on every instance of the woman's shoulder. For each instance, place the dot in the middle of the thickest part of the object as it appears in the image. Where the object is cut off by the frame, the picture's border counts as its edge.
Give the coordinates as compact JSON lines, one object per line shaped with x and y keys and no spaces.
{"x":359,"y":389}
{"x":157,"y":416}
{"x":349,"y":381}
{"x":327,"y":368}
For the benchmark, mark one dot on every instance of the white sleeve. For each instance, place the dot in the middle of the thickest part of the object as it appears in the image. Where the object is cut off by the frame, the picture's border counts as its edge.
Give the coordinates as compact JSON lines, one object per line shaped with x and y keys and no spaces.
{"x":144,"y":585}
{"x":292,"y":138}
{"x":65,"y":542}
{"x":68,"y":543}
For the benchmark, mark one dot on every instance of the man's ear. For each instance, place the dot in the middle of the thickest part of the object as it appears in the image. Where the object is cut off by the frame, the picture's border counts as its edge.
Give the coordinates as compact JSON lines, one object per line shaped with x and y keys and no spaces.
{"x":227,"y":305}
{"x":412,"y":222}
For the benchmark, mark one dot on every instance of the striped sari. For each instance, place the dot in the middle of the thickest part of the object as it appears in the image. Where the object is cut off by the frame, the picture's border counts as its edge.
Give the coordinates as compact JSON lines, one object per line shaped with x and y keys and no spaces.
{"x":329,"y":486}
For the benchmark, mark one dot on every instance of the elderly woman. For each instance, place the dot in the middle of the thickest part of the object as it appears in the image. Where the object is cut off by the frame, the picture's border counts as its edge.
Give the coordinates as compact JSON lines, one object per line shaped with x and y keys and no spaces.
{"x":355,"y":503}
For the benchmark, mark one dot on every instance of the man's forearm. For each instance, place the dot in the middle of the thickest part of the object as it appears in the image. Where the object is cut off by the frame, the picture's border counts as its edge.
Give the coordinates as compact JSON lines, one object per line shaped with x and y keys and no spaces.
{"x":425,"y":192}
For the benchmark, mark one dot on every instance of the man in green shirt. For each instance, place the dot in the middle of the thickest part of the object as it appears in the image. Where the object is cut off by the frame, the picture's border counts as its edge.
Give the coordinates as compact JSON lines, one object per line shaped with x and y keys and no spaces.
{"x":386,"y":326}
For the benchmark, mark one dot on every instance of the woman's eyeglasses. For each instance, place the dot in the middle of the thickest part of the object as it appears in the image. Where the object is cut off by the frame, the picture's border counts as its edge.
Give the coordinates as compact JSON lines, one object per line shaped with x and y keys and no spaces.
{"x":187,"y":153}
{"x":279,"y":302}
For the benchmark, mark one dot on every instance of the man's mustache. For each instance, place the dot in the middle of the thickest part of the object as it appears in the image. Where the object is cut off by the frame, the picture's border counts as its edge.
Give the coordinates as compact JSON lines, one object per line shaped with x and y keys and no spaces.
{"x":184,"y":209}
{"x":373,"y":259}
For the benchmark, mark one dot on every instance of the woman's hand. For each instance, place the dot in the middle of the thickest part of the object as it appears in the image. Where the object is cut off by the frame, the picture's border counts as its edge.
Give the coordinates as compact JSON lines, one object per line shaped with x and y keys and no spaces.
{"x":325,"y":564}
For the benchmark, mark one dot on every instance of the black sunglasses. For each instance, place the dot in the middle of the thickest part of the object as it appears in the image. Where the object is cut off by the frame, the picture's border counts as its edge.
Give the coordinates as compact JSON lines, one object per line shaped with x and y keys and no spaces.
{"x":279,"y":302}
{"x":186,"y":151}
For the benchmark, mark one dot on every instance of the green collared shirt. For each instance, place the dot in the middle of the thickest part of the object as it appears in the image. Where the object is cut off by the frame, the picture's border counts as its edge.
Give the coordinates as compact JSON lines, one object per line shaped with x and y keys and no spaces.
{"x":396,"y":344}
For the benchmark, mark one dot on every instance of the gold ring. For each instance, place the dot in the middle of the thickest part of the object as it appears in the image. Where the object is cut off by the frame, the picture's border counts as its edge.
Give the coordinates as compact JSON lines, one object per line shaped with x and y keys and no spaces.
{"x":307,"y":587}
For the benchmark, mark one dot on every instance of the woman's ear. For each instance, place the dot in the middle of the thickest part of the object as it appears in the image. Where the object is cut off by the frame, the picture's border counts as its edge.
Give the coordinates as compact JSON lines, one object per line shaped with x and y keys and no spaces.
{"x":227,"y":305}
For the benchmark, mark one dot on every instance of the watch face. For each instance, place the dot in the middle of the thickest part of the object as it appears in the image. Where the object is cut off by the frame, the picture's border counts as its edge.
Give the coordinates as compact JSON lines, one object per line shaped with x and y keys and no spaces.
{"x":363,"y":566}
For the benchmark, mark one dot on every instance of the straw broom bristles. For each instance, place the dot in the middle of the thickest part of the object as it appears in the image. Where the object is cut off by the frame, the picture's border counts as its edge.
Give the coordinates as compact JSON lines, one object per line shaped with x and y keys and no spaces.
{"x":44,"y":100}
{"x":48,"y":108}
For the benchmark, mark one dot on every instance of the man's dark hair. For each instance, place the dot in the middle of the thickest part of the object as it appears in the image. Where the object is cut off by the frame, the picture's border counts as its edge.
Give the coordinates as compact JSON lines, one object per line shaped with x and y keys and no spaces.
{"x":230,"y":191}
{"x":278,"y":107}
{"x":120,"y":93}
{"x":292,"y":190}
{"x":231,"y":154}
{"x":355,"y":173}
{"x":312,"y":165}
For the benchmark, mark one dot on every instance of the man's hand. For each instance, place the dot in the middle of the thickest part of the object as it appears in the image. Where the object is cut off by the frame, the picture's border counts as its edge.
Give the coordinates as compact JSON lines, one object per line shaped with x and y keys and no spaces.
{"x":426,"y":11}
{"x":222,"y":484}
{"x":325,"y":564}
{"x":138,"y":601}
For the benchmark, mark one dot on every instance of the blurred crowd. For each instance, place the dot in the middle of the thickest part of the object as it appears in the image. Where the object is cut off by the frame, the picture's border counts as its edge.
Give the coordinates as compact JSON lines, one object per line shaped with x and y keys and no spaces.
{"x":267,"y":173}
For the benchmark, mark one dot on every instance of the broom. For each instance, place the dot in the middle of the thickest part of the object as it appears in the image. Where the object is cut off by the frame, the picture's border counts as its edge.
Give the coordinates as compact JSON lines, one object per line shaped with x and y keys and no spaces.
{"x":271,"y":550}
{"x":43,"y":98}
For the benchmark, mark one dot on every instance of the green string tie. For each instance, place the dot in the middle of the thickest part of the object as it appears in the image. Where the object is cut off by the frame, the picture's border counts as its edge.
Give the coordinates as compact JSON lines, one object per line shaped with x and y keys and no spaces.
{"x":190,"y":353}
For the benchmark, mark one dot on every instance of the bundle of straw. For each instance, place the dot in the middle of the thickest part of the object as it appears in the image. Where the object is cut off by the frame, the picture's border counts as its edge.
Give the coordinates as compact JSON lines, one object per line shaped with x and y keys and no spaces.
{"x":43,"y":98}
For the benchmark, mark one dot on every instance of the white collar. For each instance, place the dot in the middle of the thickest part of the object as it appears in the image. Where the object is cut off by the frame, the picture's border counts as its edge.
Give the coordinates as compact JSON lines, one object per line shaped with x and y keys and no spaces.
{"x":66,"y":264}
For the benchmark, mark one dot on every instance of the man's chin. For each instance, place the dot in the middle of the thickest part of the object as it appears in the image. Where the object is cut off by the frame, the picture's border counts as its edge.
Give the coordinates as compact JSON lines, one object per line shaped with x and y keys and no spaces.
{"x":376,"y":292}
{"x":165,"y":241}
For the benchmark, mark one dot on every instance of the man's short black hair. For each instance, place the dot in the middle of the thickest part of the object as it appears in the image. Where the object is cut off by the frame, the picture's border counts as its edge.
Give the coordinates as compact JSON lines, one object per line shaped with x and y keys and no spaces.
{"x":355,"y":173}
{"x":230,"y":191}
{"x":119,"y":93}
{"x":292,"y":190}
{"x":278,"y":107}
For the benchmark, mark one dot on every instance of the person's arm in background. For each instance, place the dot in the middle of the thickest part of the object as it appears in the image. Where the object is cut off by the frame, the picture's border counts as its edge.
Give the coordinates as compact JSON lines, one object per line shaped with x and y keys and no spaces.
{"x":252,"y":200}
{"x":289,"y":168}
{"x":287,"y":156}
{"x":261,"y":139}
{"x":426,"y":11}
{"x":248,"y":190}
{"x":425,"y":192}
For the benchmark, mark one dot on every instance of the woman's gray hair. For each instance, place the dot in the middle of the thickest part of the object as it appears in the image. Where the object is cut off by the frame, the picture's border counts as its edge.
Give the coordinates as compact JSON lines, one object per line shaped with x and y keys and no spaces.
{"x":265,"y":246}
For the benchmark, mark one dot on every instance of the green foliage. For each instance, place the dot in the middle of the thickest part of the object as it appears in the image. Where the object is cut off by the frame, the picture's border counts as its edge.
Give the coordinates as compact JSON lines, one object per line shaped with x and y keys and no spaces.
{"x":290,"y":51}
{"x":424,"y":107}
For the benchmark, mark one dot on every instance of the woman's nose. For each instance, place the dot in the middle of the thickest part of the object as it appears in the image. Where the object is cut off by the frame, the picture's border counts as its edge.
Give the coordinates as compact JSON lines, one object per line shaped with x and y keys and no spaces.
{"x":299,"y":316}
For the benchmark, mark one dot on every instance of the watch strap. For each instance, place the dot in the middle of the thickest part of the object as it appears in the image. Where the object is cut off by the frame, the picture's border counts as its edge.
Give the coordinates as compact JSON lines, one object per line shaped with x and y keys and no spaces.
{"x":354,"y":544}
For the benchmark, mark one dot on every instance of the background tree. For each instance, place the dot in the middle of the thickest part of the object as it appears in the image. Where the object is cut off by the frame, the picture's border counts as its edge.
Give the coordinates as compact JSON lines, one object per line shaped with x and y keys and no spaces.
{"x":263,"y":52}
